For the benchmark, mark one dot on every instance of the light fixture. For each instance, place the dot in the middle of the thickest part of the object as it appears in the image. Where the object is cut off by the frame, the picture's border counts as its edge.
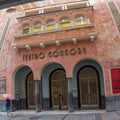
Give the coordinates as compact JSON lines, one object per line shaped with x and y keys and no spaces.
{"x":92,"y":38}
{"x":57,"y":43}
{"x":74,"y":40}
{"x":42,"y":45}
{"x":28,"y":47}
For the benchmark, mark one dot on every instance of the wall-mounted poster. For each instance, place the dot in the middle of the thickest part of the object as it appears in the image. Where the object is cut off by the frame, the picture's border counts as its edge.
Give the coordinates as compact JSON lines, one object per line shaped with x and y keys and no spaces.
{"x":115,"y":74}
{"x":2,"y":85}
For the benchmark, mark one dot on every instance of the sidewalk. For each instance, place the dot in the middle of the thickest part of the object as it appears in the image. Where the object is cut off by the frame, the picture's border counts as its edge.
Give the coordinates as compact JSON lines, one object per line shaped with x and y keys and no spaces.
{"x":53,"y":112}
{"x":62,"y":115}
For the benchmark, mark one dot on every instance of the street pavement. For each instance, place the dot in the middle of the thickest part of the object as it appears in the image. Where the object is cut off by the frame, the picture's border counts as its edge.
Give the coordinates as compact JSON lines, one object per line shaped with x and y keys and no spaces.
{"x":61,"y":115}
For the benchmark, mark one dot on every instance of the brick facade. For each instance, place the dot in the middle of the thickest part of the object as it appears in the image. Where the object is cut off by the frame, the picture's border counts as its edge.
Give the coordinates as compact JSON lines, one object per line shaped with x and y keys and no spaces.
{"x":104,"y":49}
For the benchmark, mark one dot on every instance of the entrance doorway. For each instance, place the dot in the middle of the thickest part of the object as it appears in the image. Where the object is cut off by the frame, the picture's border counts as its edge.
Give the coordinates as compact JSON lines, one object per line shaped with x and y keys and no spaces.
{"x":88,"y":88}
{"x":30,"y":91}
{"x":58,"y":89}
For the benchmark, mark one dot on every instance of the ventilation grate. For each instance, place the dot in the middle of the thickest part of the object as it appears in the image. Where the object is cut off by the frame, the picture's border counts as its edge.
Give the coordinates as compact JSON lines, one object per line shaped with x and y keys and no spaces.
{"x":116,"y":14}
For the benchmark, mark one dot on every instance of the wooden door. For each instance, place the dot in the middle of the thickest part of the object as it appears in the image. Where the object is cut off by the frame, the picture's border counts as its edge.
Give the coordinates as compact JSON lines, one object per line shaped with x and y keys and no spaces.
{"x":31,"y":91}
{"x":88,"y":83}
{"x":59,"y":89}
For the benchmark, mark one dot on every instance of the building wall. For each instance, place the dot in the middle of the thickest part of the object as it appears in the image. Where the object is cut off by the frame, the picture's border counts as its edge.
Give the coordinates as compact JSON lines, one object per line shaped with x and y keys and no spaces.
{"x":105,"y":49}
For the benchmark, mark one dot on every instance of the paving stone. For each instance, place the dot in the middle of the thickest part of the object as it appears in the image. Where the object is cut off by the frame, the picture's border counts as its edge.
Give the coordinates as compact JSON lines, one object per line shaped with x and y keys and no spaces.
{"x":60,"y":115}
{"x":98,"y":117}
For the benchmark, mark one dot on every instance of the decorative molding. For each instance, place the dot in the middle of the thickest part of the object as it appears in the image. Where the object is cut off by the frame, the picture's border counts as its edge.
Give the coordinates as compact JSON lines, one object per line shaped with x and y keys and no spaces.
{"x":92,"y":37}
{"x":57,"y":43}
{"x":42,"y":45}
{"x":28,"y":47}
{"x":74,"y":40}
{"x":55,"y":30}
{"x":15,"y":48}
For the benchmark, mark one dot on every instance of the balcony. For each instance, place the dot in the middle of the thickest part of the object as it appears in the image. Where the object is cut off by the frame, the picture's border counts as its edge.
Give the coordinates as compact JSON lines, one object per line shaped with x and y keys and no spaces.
{"x":58,"y":31}
{"x":31,"y":33}
{"x":45,"y":38}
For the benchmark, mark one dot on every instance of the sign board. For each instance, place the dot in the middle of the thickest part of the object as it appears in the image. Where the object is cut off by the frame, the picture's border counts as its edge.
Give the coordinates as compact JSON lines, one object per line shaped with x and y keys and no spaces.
{"x":115,"y":75}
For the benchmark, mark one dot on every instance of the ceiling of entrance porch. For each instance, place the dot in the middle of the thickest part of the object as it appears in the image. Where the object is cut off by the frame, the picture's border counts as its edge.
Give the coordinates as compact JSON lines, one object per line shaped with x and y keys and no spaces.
{"x":43,"y":3}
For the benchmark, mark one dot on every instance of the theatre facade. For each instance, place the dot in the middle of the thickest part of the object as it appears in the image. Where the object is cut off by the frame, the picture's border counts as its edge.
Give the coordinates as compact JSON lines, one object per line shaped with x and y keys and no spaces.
{"x":61,"y":57}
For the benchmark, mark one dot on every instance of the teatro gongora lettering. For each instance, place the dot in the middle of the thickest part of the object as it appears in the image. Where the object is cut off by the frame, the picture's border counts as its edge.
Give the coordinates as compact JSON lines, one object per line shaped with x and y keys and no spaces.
{"x":55,"y":53}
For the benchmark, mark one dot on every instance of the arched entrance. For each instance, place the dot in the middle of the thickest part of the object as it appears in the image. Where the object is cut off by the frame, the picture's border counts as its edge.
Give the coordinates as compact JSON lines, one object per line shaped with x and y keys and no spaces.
{"x":30,"y":91}
{"x":88,"y":85}
{"x":87,"y":69}
{"x":58,"y":89}
{"x":24,"y":88}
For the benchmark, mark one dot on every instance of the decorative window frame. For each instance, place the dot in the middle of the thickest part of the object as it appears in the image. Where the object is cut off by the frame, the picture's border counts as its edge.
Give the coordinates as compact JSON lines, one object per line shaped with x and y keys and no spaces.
{"x":50,"y":24}
{"x":37,"y":27}
{"x":81,"y":20}
{"x":25,"y":28}
{"x":65,"y":22}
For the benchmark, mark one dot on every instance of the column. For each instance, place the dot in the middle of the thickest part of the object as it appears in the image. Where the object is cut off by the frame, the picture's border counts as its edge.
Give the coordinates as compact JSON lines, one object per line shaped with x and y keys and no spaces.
{"x":70,"y":95}
{"x":37,"y":94}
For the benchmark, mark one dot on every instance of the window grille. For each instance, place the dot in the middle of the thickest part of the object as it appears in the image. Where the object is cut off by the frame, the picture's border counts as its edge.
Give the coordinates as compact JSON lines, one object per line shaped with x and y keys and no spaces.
{"x":116,"y":14}
{"x":5,"y":29}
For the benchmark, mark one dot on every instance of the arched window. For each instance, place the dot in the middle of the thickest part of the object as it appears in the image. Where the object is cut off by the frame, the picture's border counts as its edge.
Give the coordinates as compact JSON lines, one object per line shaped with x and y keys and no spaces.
{"x":65,"y":22}
{"x":37,"y":27}
{"x":50,"y":24}
{"x":80,"y":20}
{"x":25,"y":29}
